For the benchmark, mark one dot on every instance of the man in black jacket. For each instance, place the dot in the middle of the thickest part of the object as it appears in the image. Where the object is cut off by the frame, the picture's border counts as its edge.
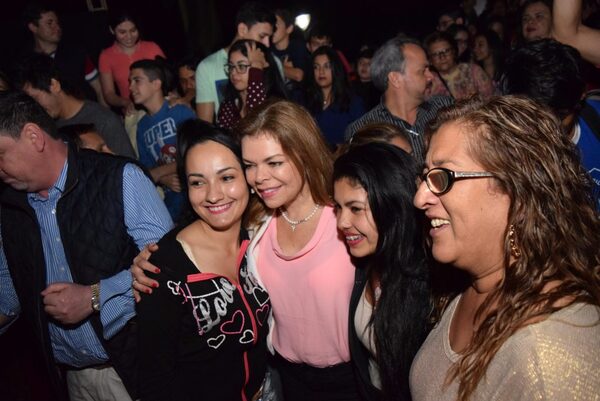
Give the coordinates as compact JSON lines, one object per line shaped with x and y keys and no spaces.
{"x":71,"y":223}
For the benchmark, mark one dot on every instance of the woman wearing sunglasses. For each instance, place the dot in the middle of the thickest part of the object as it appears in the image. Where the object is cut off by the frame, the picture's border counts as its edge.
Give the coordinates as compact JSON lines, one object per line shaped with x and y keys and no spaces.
{"x":253,"y":77}
{"x":509,"y":205}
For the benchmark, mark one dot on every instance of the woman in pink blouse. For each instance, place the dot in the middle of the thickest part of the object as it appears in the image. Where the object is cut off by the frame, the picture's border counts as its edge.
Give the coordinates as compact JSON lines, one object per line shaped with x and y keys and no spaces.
{"x":296,"y":252}
{"x":459,"y":80}
{"x":115,"y":60}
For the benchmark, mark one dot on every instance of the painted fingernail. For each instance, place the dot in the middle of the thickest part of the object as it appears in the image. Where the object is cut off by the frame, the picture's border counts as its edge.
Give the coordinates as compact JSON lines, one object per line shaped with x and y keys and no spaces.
{"x":157,"y":270}
{"x":148,"y":291}
{"x":154,"y":285}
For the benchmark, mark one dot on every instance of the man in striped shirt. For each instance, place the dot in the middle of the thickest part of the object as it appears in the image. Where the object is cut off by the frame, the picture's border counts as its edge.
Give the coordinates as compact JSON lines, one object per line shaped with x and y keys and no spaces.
{"x":400,"y":70}
{"x":71,"y":223}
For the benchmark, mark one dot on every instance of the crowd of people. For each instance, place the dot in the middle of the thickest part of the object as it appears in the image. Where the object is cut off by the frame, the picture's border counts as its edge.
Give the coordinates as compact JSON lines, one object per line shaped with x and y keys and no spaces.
{"x":276,"y":223}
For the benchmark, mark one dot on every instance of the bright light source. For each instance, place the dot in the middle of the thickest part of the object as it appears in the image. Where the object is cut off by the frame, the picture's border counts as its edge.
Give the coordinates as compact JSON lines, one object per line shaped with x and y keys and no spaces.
{"x":303,"y":21}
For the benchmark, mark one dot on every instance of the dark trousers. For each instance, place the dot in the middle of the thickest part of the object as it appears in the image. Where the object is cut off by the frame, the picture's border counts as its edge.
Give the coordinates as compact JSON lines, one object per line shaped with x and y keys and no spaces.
{"x":302,"y":382}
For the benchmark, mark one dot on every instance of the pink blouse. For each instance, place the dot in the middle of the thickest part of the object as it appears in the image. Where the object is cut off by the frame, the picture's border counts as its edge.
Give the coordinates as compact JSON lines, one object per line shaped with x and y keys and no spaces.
{"x":310,"y":294}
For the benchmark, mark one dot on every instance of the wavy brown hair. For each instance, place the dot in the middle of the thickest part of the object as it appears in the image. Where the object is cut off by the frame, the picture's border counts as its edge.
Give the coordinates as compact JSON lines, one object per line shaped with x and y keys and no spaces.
{"x":300,"y":139}
{"x":552,"y":210}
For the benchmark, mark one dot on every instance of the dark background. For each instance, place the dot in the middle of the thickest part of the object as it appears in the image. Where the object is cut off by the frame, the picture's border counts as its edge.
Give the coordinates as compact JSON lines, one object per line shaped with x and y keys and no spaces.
{"x":199,"y":27}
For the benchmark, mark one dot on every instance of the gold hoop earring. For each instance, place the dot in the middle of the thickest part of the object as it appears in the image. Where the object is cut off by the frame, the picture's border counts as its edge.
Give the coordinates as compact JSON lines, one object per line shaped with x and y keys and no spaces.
{"x":514,"y":249}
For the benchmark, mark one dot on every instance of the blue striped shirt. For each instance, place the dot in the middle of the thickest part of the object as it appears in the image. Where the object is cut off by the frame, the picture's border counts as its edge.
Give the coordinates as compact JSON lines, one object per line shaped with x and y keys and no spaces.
{"x":147,"y":220}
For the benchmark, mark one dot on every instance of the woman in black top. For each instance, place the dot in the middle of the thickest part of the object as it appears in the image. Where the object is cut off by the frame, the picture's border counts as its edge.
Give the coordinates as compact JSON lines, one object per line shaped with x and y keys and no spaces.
{"x":202,"y":334}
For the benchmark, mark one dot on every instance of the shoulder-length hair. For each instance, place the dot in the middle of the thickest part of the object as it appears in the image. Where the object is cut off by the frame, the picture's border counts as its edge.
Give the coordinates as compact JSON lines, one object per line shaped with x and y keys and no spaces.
{"x":400,"y":318}
{"x":556,"y":226}
{"x":300,"y":139}
{"x":340,"y":90}
{"x":272,"y":78}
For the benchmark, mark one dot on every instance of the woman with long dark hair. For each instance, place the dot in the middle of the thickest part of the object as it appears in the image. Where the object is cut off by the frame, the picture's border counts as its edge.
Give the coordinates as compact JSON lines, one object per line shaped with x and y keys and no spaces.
{"x":374,"y":185}
{"x":253,"y":78}
{"x":328,"y":96}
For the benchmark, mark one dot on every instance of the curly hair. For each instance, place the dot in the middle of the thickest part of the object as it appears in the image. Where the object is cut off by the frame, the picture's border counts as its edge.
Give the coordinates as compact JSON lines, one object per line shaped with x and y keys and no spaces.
{"x":552,"y":211}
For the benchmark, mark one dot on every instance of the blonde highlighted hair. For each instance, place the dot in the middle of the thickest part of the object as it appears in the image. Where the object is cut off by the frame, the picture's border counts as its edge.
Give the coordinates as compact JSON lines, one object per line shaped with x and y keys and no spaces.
{"x":300,"y":139}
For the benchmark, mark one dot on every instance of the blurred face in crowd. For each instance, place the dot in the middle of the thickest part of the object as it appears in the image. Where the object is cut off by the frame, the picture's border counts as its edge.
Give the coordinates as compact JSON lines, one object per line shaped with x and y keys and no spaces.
{"x":442,"y":56}
{"x":536,"y":22}
{"x":315,"y":42}
{"x":363,"y":67}
{"x":354,"y":218}
{"x":126,"y":34}
{"x":238,"y":71}
{"x":281,"y":31}
{"x":260,"y":32}
{"x":444,"y":23}
{"x":322,"y":70}
{"x":481,"y":50}
{"x":498,"y":28}
{"x":48,"y":100}
{"x":417,"y":77}
{"x":92,"y":140}
{"x":187,"y":79}
{"x":47,"y":29}
{"x":462,"y":41}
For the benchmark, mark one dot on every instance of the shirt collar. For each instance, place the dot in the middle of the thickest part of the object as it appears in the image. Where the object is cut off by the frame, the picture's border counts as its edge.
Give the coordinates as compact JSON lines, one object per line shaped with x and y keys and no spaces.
{"x":57,"y":189}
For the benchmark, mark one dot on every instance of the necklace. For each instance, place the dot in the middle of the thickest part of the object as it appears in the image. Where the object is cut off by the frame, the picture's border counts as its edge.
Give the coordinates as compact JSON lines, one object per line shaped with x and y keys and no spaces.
{"x":294,"y":223}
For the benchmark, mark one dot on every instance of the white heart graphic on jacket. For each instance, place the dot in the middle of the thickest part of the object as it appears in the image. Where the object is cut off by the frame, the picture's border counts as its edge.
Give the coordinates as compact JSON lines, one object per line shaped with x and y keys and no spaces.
{"x":216,"y":342}
{"x":248,"y":337}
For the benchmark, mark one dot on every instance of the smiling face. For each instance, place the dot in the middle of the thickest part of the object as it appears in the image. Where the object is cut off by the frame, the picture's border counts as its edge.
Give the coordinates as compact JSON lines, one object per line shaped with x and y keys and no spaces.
{"x":142,"y":89}
{"x":217,"y":189}
{"x":536,"y":22}
{"x":354,"y":218}
{"x":126,"y":34}
{"x":238,"y":80}
{"x":270,"y":171}
{"x":322,"y":70}
{"x":468,"y":223}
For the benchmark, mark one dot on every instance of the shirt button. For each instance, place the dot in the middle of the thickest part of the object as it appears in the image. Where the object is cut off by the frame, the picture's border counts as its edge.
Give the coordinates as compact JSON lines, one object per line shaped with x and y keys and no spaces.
{"x":84,"y":352}
{"x":53,"y":211}
{"x":57,"y":239}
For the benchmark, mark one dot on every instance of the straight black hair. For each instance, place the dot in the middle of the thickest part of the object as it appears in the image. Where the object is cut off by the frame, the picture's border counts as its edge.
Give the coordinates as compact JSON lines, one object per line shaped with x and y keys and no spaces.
{"x":400,"y":317}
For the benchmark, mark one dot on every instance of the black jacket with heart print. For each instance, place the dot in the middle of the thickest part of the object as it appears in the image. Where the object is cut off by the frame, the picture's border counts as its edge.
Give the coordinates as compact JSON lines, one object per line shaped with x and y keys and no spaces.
{"x":201,"y":336}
